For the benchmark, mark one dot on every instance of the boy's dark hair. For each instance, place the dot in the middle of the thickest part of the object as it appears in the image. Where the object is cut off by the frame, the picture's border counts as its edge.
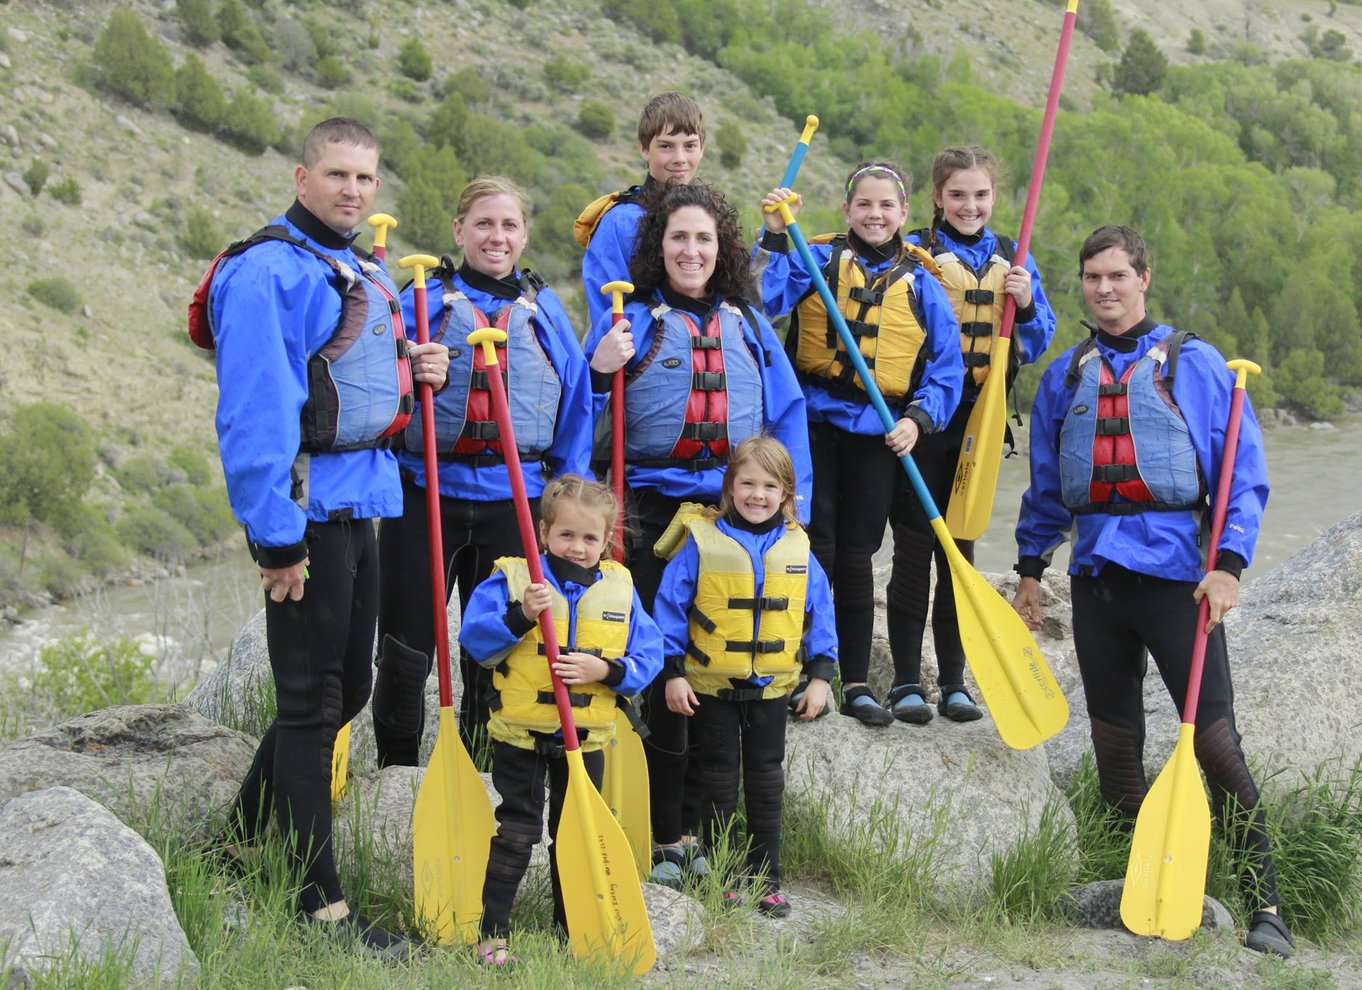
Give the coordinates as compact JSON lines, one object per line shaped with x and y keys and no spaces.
{"x":337,"y":130}
{"x":670,"y":113}
{"x":733,"y":274}
{"x":1114,"y":236}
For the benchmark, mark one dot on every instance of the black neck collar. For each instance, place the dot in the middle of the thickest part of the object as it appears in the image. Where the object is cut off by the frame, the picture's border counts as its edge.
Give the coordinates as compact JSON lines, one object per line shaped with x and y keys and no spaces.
{"x":969,"y":240}
{"x":700,"y":307}
{"x":875,"y":255}
{"x":306,"y":221}
{"x":501,"y":288}
{"x":566,"y":570}
{"x":735,"y":519}
{"x":1125,"y":343}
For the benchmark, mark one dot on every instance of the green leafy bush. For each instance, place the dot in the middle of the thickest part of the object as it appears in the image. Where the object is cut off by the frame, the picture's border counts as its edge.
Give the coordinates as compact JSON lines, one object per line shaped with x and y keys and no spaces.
{"x":564,"y":75}
{"x":91,"y":540}
{"x":196,"y":17}
{"x":81,"y":674}
{"x":240,"y":33}
{"x":47,"y":463}
{"x":141,"y":474}
{"x":332,"y":72}
{"x":66,"y":190}
{"x":268,"y":78}
{"x":596,"y":119}
{"x":192,"y":463}
{"x":199,"y":100}
{"x":203,"y":512}
{"x":732,"y":142}
{"x":414,"y":60}
{"x":201,"y":236}
{"x":57,"y":292}
{"x":154,"y":533}
{"x":249,"y":123}
{"x":1142,"y":67}
{"x":132,"y":64}
{"x":35,"y":176}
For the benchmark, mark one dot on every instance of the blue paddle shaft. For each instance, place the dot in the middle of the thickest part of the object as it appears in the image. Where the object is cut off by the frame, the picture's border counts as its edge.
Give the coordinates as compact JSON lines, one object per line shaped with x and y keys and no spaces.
{"x":796,"y":160}
{"x":854,"y":352}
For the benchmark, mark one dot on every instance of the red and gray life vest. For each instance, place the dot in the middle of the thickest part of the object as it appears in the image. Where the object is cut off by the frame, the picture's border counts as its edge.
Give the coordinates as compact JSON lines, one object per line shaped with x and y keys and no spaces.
{"x":696,"y":394}
{"x":359,"y":383}
{"x":464,"y":428}
{"x":1124,"y":446}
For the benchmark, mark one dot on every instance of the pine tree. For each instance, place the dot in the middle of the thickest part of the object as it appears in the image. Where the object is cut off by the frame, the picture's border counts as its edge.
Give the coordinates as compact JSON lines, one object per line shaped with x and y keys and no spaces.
{"x":132,"y":64}
{"x":1142,"y":68}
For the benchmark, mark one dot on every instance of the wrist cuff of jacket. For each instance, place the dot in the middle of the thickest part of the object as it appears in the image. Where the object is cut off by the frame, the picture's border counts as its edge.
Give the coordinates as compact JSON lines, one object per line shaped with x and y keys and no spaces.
{"x":919,"y":416}
{"x":601,"y":381}
{"x":275,"y":558}
{"x":673,"y":667}
{"x":775,"y":243}
{"x":615,"y":674}
{"x":1231,"y":563}
{"x":824,"y":668}
{"x":1025,"y":315}
{"x":515,"y":620}
{"x":1032,"y":567}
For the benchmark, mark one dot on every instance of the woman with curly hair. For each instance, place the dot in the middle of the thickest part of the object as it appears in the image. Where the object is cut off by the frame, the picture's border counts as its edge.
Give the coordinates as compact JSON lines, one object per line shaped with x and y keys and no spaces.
{"x":703,"y":372}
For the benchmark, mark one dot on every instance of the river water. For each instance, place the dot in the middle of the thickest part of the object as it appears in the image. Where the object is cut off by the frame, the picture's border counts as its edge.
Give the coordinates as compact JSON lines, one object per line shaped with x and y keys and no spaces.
{"x":189,"y":619}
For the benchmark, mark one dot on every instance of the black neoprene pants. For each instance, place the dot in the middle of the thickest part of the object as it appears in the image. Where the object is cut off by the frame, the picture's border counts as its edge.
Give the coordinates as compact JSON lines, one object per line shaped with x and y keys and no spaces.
{"x":474,"y":535}
{"x":747,"y":737}
{"x":321,"y":651}
{"x":1117,"y":616}
{"x":915,"y":545}
{"x":518,"y":775}
{"x":853,"y":485}
{"x":673,"y":788}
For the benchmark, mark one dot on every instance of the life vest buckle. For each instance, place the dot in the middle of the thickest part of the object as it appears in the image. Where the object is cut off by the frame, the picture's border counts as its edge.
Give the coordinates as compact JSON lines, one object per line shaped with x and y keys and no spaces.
{"x":979,"y":297}
{"x":976,"y":328}
{"x":706,"y":343}
{"x":708,"y":381}
{"x":704,"y":432}
{"x":481,"y":429}
{"x":1113,"y":426}
{"x":865,"y":294}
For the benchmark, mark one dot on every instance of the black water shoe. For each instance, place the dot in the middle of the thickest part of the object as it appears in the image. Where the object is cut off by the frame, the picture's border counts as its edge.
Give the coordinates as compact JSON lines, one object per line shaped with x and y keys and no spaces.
{"x":362,"y":936}
{"x":1268,"y":934}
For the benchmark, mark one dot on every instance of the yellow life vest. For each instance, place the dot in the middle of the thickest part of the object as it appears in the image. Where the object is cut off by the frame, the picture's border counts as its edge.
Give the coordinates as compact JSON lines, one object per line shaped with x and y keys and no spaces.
{"x":590,"y":218}
{"x":977,"y":298}
{"x":524,"y":690}
{"x":727,"y":611}
{"x":882,"y":313}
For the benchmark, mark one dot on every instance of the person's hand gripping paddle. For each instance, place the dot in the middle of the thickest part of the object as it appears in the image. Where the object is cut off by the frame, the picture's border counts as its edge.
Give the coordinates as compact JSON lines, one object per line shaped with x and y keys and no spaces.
{"x":452,"y":822}
{"x":625,"y":784}
{"x":981,"y":450}
{"x":1022,"y":695}
{"x":602,"y":895}
{"x":1166,"y":872}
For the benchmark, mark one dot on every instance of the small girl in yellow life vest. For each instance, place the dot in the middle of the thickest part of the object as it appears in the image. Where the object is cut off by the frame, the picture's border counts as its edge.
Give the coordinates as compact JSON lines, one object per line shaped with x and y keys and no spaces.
{"x":745,"y":609}
{"x":608,"y":645}
{"x":910,"y":340}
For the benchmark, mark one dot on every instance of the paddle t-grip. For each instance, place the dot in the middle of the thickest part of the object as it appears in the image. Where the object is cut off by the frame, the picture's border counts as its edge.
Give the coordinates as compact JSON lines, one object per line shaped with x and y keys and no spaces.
{"x":381,"y":222}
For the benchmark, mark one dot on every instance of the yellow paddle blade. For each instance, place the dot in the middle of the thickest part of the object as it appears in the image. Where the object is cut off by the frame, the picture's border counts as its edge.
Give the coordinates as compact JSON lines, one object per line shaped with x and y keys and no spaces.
{"x":602,"y":896}
{"x":1021,"y":693}
{"x":340,"y":763}
{"x":1166,"y":874}
{"x":981,"y":453}
{"x":626,"y":792}
{"x":452,"y":828}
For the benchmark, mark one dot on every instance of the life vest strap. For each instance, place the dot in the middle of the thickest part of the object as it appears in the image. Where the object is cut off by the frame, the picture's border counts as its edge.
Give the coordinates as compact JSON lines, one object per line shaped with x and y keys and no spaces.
{"x":704,"y":432}
{"x":754,"y":645}
{"x":478,"y":379}
{"x":685,"y":463}
{"x":481,"y":429}
{"x":706,"y":343}
{"x":1111,"y":388}
{"x":631,"y":713}
{"x":859,"y":328}
{"x":1110,"y":474}
{"x":574,"y":700}
{"x":544,"y":651}
{"x":977,"y":328}
{"x":1113,"y":426}
{"x":488,"y":458}
{"x":976,"y":359}
{"x":979,"y":297}
{"x":700,"y":655}
{"x":708,"y":381}
{"x":1132,"y":508}
{"x":701,"y":620}
{"x":866,"y":294}
{"x":780,"y":604}
{"x":748,"y":693}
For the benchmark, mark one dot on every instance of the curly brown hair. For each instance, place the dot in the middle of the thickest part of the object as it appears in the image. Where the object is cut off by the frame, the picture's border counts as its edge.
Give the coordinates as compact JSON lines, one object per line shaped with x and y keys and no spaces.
{"x":733,"y":274}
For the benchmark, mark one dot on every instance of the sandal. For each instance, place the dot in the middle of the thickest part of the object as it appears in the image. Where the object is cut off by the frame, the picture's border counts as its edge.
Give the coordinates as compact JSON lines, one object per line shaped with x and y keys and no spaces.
{"x":494,"y":954}
{"x":909,"y":704}
{"x":668,"y":863}
{"x":958,"y":706}
{"x":1268,"y":934}
{"x":774,"y":905}
{"x":859,"y":703}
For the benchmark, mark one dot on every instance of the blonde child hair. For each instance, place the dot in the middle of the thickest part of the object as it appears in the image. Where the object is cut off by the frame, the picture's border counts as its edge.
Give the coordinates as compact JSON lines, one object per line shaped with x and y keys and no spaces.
{"x":590,"y":496}
{"x":770,"y":455}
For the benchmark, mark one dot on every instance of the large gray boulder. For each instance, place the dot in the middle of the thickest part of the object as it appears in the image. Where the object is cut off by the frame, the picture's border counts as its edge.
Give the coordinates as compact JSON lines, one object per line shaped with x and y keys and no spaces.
{"x":133,"y":759}
{"x":947,"y":791}
{"x":75,"y":881}
{"x":239,"y":692}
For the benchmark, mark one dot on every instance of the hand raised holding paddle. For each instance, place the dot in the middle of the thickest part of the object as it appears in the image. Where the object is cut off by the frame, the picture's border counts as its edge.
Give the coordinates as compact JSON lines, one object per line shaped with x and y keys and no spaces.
{"x":602,"y":897}
{"x":1166,"y":872}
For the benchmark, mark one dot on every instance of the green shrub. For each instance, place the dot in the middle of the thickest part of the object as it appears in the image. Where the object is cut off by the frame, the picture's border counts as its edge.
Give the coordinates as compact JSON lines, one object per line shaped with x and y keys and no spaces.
{"x":47,"y":463}
{"x":406,"y":90}
{"x":199,"y":101}
{"x":239,"y":32}
{"x":414,"y":60}
{"x":268,"y":78}
{"x":93,"y":542}
{"x":249,"y":123}
{"x":202,"y":511}
{"x":132,"y":64}
{"x":197,"y":470}
{"x":196,"y":17}
{"x":152,"y":532}
{"x":1196,"y":42}
{"x":566,"y":76}
{"x":332,"y":72}
{"x":143,"y":474}
{"x":596,"y":119}
{"x":35,"y":176}
{"x":57,"y":292}
{"x":59,"y":575}
{"x":201,"y":236}
{"x":66,"y":190}
{"x":322,"y":34}
{"x":732,"y":142}
{"x":469,"y":85}
{"x":81,"y":674}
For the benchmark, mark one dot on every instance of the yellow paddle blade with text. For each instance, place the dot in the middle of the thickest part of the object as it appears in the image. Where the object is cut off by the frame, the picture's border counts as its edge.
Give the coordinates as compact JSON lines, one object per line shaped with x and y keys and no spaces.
{"x":981,"y":452}
{"x":626,"y":791}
